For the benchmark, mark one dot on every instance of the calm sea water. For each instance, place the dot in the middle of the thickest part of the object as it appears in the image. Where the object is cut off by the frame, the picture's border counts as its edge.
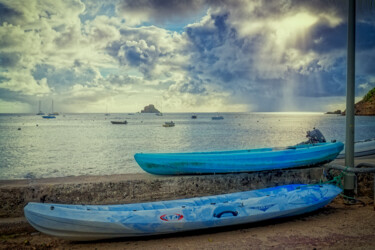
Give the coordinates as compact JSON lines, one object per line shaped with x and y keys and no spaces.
{"x":88,"y":144}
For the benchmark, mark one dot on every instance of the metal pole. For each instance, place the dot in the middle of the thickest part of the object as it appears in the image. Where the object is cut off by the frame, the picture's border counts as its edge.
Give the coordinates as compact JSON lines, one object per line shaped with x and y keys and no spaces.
{"x":349,"y":180}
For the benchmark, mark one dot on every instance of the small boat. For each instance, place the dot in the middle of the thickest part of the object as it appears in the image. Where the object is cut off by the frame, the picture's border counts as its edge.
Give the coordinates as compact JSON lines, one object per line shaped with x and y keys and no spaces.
{"x":193,"y":117}
{"x":361,"y":148}
{"x":217,"y":118}
{"x":48,"y":116}
{"x":315,"y":151}
{"x":168,"y":124}
{"x":119,"y":122}
{"x":97,"y":222}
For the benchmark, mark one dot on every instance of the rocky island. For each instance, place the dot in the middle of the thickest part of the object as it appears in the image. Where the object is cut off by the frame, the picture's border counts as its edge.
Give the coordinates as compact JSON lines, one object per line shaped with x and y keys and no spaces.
{"x":364,"y":107}
{"x":150,"y":109}
{"x":337,"y":112}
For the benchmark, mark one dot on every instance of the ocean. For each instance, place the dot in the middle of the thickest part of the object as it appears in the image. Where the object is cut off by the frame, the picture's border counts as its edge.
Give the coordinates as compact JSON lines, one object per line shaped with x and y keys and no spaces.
{"x":88,"y":144}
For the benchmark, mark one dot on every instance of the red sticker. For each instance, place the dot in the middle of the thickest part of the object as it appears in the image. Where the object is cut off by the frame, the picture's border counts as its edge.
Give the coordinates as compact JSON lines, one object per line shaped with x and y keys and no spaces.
{"x":171,"y":217}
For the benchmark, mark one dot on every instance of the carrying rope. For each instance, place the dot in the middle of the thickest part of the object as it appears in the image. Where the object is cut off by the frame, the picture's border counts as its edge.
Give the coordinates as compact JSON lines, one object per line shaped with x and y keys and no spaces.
{"x":337,"y":181}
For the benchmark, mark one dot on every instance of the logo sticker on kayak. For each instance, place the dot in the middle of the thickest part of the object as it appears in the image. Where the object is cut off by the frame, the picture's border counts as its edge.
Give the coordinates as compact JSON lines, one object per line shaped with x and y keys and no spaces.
{"x":171,"y":217}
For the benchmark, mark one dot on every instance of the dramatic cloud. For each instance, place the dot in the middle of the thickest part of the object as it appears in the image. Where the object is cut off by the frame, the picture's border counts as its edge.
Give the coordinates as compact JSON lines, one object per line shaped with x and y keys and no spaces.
{"x":159,"y":11}
{"x":196,"y":55}
{"x":271,"y":54}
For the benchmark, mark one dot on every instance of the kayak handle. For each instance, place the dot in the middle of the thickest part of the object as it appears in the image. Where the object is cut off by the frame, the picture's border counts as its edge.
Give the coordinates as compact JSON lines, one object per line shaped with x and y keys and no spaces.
{"x":234,"y":213}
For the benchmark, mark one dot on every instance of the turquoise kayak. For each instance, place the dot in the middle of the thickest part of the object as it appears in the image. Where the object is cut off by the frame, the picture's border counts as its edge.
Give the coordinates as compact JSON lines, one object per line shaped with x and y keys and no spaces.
{"x":302,"y":155}
{"x":96,"y":222}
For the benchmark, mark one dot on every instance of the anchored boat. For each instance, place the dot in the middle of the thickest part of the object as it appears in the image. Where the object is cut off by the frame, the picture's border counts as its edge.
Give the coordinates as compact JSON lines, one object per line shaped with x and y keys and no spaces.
{"x":49,"y":116}
{"x":95,"y":222}
{"x":119,"y":122}
{"x":217,"y":118}
{"x":168,"y":124}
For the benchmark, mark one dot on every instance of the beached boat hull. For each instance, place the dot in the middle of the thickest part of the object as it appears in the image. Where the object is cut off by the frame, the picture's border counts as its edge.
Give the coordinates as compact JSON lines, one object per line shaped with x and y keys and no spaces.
{"x":361,"y":148}
{"x":95,"y":222}
{"x":239,"y":161}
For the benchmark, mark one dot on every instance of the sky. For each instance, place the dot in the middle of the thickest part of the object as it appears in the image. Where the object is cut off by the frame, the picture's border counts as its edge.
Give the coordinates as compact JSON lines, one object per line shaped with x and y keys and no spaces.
{"x":181,"y":56}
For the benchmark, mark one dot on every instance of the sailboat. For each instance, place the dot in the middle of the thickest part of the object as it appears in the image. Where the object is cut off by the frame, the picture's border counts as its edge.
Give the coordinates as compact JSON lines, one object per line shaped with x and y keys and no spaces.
{"x":51,"y":115}
{"x":40,"y":110}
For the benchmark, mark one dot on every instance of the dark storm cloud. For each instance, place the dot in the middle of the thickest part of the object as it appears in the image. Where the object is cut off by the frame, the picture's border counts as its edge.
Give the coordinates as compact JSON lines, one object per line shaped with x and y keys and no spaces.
{"x":365,"y":64}
{"x":365,"y":39}
{"x":323,"y":38}
{"x":228,"y":59}
{"x":320,"y":84}
{"x":121,"y":80}
{"x":212,"y":44}
{"x":11,"y":96}
{"x":3,"y":79}
{"x":7,"y":14}
{"x":160,"y":10}
{"x":139,"y":54}
{"x":60,"y":79}
{"x":206,"y":38}
{"x":144,"y":48}
{"x":9,"y":60}
{"x":193,"y":87}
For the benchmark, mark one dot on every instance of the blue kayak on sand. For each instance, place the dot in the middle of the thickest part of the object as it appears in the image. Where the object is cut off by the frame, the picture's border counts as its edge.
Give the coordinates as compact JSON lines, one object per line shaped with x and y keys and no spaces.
{"x":95,"y":222}
{"x":302,"y":155}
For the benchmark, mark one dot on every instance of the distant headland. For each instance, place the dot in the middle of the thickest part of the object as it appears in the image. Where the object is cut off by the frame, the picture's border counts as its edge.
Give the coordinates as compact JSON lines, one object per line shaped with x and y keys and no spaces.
{"x":364,"y":107}
{"x":337,"y":112}
{"x":150,"y":109}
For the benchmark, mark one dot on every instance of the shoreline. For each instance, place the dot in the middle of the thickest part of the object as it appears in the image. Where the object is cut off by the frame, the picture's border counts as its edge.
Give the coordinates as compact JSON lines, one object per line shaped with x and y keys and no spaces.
{"x":116,"y":177}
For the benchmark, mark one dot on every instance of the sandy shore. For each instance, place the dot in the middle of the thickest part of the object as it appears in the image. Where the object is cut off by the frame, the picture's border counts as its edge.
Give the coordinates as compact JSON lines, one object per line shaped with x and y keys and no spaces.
{"x":336,"y":226}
